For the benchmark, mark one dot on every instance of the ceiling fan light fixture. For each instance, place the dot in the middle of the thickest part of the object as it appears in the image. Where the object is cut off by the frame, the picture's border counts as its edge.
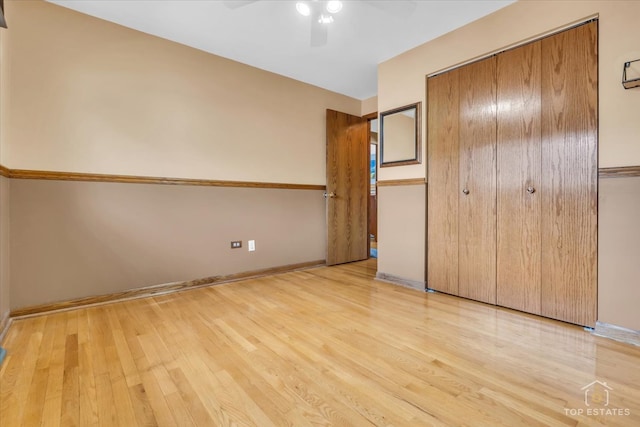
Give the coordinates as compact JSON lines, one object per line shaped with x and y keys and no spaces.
{"x":325,"y":19}
{"x":303,"y":8}
{"x":334,"y":6}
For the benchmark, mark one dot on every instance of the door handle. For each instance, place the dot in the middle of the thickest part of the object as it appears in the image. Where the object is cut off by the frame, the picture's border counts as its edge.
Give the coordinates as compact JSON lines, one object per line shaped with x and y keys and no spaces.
{"x":531,"y":190}
{"x":331,"y":195}
{"x":465,"y":192}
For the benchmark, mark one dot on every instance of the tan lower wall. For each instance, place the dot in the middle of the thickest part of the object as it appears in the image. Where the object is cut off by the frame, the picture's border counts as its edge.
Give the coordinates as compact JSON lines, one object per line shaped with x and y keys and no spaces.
{"x":401,"y":238}
{"x":75,"y":239}
{"x":4,"y":250}
{"x":619,"y":252}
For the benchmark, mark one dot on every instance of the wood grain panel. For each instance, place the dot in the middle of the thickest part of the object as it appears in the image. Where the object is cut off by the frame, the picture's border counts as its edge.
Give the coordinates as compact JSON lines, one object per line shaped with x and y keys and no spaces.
{"x":347,"y":179}
{"x":477,"y":238}
{"x":619,"y":172}
{"x":132,"y":179}
{"x":570,"y":181}
{"x":321,"y":347}
{"x":442,"y":201}
{"x":399,"y":182}
{"x":160,"y":289}
{"x":518,"y":167}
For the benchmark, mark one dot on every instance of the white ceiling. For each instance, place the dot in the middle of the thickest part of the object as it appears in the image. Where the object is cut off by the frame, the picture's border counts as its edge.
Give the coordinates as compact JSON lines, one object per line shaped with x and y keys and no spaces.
{"x":273,"y":36}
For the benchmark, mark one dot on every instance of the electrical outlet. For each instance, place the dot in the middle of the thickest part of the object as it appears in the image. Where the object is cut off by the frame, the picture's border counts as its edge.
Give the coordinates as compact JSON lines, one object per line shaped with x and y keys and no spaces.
{"x":236,"y":244}
{"x":252,"y":245}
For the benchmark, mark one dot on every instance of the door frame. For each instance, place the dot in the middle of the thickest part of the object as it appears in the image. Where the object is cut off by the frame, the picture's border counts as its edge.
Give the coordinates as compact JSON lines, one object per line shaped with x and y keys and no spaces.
{"x":369,"y":117}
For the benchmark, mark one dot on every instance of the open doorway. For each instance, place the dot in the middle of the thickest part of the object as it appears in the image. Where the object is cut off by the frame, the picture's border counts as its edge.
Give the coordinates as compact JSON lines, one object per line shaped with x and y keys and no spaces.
{"x":373,"y":189}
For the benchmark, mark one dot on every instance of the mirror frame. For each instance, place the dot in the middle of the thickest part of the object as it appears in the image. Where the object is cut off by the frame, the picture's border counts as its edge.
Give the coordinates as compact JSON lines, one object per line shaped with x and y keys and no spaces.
{"x":417,"y":159}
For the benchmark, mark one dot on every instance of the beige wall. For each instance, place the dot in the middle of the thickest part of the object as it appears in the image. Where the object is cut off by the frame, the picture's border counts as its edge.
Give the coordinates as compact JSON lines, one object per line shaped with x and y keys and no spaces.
{"x":4,"y":214}
{"x":5,"y":302}
{"x":76,"y":239}
{"x":369,"y":105}
{"x":401,"y":81}
{"x":3,"y":95}
{"x":619,"y":252}
{"x":83,"y":95}
{"x":401,"y":248}
{"x":87,"y":95}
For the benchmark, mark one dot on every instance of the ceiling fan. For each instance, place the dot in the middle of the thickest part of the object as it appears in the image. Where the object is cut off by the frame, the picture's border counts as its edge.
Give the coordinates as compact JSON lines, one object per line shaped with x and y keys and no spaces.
{"x":321,"y":13}
{"x":3,"y":22}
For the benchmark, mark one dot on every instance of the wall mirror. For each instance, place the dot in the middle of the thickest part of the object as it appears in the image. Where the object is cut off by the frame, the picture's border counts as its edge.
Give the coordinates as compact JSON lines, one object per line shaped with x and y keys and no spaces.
{"x":400,"y":136}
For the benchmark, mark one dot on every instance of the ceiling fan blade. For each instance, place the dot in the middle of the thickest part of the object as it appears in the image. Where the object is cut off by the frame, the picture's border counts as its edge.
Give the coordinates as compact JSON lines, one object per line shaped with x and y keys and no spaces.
{"x":319,"y":33}
{"x":3,"y":22}
{"x":234,"y":4}
{"x":398,"y":8}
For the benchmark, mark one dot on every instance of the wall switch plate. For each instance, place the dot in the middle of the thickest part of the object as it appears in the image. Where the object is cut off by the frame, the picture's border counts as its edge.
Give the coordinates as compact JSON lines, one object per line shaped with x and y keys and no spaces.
{"x":252,"y":245}
{"x":236,"y":244}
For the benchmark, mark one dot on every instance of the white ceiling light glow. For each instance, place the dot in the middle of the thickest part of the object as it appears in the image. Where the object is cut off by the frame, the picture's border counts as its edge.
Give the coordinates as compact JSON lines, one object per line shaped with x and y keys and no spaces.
{"x":334,"y":6}
{"x":325,"y":19}
{"x":303,"y":8}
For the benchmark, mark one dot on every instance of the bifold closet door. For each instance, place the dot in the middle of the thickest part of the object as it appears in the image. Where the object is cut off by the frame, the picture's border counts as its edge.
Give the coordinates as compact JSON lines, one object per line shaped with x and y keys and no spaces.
{"x":570,"y":179}
{"x":442,"y":209}
{"x":477,"y":191}
{"x":519,"y":177}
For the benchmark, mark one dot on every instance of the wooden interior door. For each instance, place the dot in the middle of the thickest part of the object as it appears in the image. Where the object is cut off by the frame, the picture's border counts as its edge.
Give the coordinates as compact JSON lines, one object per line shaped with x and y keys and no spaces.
{"x":519,"y":175}
{"x":347,"y":188}
{"x":443,"y":188}
{"x":570,"y":182}
{"x":477,"y":192}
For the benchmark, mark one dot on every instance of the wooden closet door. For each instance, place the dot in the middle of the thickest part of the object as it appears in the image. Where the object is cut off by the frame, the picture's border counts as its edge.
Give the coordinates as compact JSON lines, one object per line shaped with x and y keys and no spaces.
{"x":443,"y":188}
{"x":570,"y":179}
{"x":519,"y":176}
{"x":477,"y":191}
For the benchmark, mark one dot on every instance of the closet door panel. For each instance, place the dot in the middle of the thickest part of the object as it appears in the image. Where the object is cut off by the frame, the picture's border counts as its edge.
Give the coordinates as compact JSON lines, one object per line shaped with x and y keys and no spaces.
{"x":519,"y":176}
{"x":569,"y":190}
{"x":442,"y":210}
{"x":477,"y":191}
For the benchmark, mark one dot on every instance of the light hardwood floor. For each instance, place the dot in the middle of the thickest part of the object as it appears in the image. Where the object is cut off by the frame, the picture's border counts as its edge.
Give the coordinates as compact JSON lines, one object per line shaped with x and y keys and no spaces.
{"x":326,"y":346}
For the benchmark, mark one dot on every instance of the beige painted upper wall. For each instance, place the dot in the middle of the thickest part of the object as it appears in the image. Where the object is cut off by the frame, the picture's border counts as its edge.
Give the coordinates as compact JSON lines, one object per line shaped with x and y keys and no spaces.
{"x":2,"y":97}
{"x":86,"y":95}
{"x":5,"y":292}
{"x":4,"y":221}
{"x":401,"y":80}
{"x":369,"y":105}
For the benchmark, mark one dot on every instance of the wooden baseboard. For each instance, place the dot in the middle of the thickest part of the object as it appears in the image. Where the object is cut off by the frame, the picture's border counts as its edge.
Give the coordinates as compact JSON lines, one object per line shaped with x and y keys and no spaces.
{"x":617,"y":333}
{"x":397,"y":280}
{"x":5,"y":321}
{"x":156,"y":290}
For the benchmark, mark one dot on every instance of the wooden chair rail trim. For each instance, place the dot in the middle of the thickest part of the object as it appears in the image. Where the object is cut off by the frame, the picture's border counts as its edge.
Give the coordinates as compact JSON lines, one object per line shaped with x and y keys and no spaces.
{"x":150,"y":291}
{"x":397,"y":182}
{"x":612,"y":172}
{"x":619,"y":172}
{"x":132,"y":179}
